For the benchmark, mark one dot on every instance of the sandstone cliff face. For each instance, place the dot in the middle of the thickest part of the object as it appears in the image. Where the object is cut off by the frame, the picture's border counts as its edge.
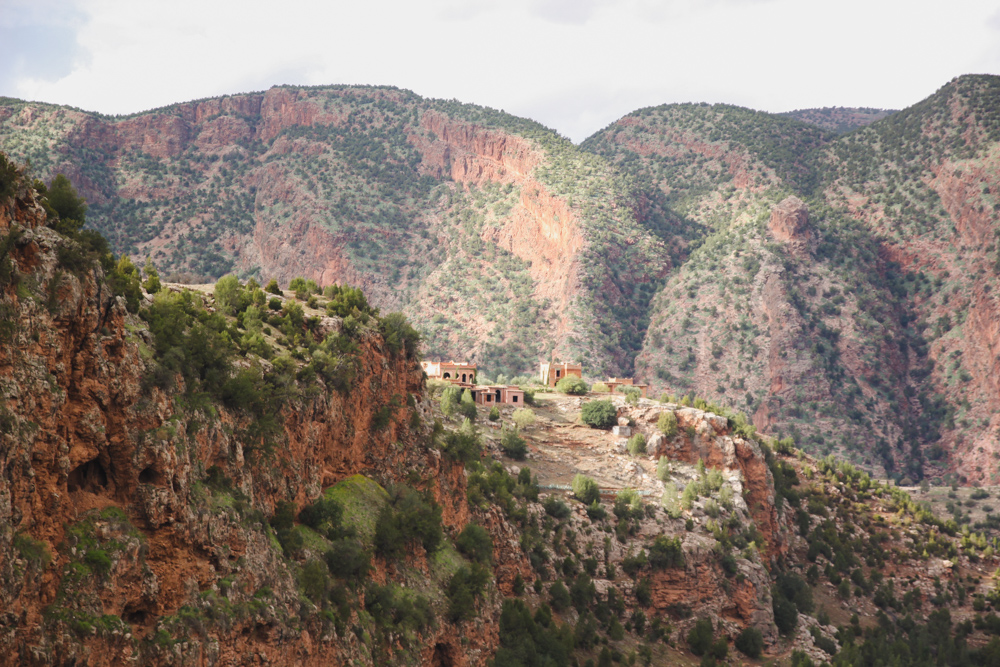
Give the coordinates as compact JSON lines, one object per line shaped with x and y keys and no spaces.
{"x":115,"y":538}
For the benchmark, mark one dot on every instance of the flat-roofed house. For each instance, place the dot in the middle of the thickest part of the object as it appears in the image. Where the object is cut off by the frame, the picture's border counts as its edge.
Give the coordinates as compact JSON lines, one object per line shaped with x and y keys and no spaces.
{"x":551,"y":373}
{"x":452,"y":371}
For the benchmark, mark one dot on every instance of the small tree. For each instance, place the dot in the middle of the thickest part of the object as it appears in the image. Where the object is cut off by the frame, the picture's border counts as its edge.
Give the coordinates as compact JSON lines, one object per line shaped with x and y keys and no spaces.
{"x":586,"y":489}
{"x":494,"y":414}
{"x":667,"y":423}
{"x":750,"y":642}
{"x":663,"y":469}
{"x":449,"y":400}
{"x":229,"y":295}
{"x":572,"y":385}
{"x":637,"y":444}
{"x":467,"y":408}
{"x":152,"y":284}
{"x":523,"y":417}
{"x":700,"y":636}
{"x":512,"y":444}
{"x":272,"y":287}
{"x":599,"y":414}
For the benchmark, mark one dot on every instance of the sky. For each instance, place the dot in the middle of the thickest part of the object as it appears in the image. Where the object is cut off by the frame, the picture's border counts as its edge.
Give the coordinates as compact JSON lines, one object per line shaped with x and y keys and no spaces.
{"x":573,"y":65}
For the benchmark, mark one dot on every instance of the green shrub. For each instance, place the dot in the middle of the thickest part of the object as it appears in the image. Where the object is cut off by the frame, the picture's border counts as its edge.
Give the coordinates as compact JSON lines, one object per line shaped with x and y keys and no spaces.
{"x":98,"y":560}
{"x":348,"y":559}
{"x":475,"y":543}
{"x":559,"y":598}
{"x":70,"y":208}
{"x":572,"y":385}
{"x":324,"y":516}
{"x":663,"y":469}
{"x":10,"y":175}
{"x":750,"y":642}
{"x":512,"y":444}
{"x":786,"y":617}
{"x":463,"y":445}
{"x":599,"y":388}
{"x":400,"y":336}
{"x":152,"y":283}
{"x":464,"y":587}
{"x":409,"y":517}
{"x":666,"y":552}
{"x":494,"y":414}
{"x":523,"y":417}
{"x":229,"y":295}
{"x":700,"y":636}
{"x":313,"y":580}
{"x":667,"y":423}
{"x":272,"y":287}
{"x":586,"y":489}
{"x":449,"y":400}
{"x":555,"y":507}
{"x":274,"y":304}
{"x":599,"y":414}
{"x":637,"y":444}
{"x":467,"y":405}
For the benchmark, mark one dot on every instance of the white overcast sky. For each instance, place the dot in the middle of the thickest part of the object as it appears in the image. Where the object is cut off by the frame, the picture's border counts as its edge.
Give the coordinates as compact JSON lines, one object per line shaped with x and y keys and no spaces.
{"x":574,"y":65}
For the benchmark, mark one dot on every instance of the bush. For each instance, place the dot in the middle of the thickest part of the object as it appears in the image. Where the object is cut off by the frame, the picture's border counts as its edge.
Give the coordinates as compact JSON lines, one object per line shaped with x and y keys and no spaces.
{"x":572,"y":385}
{"x":559,"y":598}
{"x":67,"y":204}
{"x":399,"y":335}
{"x":786,"y":617}
{"x":586,"y":489}
{"x":494,"y":414}
{"x":449,"y":400}
{"x":409,"y":517}
{"x":348,"y":559}
{"x":272,"y":287}
{"x":523,"y":417}
{"x":637,"y":444}
{"x":555,"y":508}
{"x":599,"y":414}
{"x":599,"y":388}
{"x":750,"y":642}
{"x":463,"y":445}
{"x":475,"y":543}
{"x":700,"y":636}
{"x":512,"y":444}
{"x":274,"y":304}
{"x":467,"y":406}
{"x":464,"y":587}
{"x":663,"y":469}
{"x":667,"y":423}
{"x":666,"y":552}
{"x":229,"y":297}
{"x":323,"y":515}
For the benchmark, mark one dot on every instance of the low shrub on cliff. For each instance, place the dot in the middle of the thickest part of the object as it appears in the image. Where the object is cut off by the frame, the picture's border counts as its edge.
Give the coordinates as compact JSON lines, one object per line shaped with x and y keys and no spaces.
{"x":410,"y":517}
{"x":701,"y":636}
{"x":750,"y":642}
{"x":464,"y":588}
{"x":586,"y":489}
{"x":512,"y":444}
{"x":475,"y":543}
{"x":528,"y":640}
{"x":667,"y":423}
{"x":666,"y":552}
{"x":637,"y":444}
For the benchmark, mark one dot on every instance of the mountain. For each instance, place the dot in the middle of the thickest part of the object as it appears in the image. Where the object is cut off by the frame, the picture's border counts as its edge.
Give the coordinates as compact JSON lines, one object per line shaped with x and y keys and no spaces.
{"x":838,"y":288}
{"x":843,"y":293}
{"x":501,"y":239}
{"x":839,"y":119}
{"x":216,"y":476}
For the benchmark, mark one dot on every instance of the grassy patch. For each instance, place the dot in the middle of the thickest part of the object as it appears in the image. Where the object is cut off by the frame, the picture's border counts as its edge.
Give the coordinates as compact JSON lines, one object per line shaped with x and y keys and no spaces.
{"x":362,"y":499}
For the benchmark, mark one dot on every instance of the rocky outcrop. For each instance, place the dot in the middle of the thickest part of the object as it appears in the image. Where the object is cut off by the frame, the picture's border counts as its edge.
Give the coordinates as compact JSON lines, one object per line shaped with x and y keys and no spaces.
{"x":130,"y":512}
{"x":789,"y":221}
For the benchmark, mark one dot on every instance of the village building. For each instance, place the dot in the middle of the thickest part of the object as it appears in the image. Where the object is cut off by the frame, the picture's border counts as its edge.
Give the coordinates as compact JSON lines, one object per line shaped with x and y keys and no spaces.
{"x":552,"y":373}
{"x":452,"y":371}
{"x":614,"y":383}
{"x":463,"y":374}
